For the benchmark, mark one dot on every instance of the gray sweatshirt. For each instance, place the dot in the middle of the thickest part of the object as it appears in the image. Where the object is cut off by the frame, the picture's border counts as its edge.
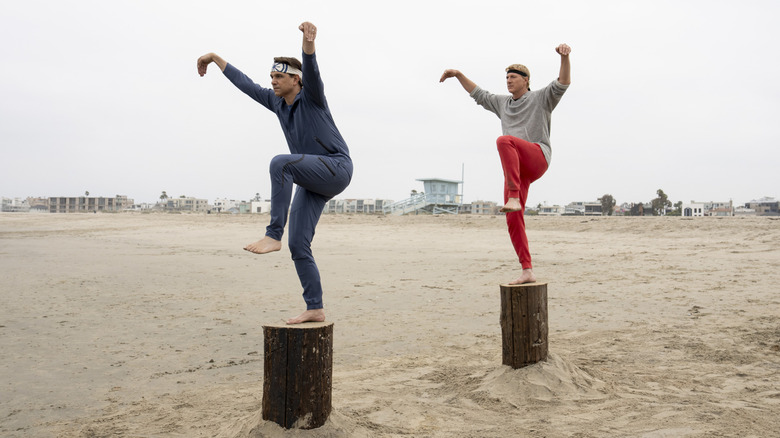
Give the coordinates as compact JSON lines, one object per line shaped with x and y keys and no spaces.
{"x":527,"y":118}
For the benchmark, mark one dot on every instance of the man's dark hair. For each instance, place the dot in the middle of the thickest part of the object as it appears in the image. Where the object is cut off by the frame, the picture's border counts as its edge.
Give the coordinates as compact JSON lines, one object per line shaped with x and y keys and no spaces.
{"x":292,"y":62}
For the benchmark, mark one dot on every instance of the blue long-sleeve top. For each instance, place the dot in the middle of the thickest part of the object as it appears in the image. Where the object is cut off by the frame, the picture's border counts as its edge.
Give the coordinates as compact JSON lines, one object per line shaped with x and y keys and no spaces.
{"x":307,"y":124}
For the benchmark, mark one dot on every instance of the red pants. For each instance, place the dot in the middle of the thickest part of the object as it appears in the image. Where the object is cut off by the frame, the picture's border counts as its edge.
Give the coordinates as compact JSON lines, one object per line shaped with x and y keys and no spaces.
{"x":523,"y":163}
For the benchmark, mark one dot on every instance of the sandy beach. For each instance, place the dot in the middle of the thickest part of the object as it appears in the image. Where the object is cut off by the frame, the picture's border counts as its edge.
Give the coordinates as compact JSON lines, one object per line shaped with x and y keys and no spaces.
{"x":141,"y":325}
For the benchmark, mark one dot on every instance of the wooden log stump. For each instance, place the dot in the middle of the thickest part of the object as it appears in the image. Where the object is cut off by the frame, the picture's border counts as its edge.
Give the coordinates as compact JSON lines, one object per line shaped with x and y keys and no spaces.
{"x":297,"y":374}
{"x":524,"y":324}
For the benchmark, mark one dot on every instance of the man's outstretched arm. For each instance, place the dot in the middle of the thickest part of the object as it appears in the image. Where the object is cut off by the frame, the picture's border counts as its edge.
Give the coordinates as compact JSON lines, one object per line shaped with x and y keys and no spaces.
{"x":465,"y":82}
{"x":207,"y":59}
{"x":309,"y":34}
{"x":564,"y":77}
{"x":261,"y":95}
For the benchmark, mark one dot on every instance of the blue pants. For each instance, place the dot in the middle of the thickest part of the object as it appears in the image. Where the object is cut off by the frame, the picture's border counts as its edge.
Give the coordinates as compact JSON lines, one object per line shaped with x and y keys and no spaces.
{"x":319,"y":178}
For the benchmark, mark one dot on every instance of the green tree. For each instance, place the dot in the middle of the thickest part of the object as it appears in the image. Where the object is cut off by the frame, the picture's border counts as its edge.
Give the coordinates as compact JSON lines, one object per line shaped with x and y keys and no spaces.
{"x":660,"y":203}
{"x":677,"y":209}
{"x":86,"y":193}
{"x":164,"y":196}
{"x":607,"y":205}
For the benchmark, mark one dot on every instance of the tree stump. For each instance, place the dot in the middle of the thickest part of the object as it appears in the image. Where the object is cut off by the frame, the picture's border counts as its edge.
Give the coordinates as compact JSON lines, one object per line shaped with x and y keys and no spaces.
{"x":524,"y":324}
{"x":298,"y":369}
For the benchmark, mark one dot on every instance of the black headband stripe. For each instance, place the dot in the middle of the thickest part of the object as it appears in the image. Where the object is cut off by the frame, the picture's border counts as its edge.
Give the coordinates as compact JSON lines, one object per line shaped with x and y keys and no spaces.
{"x":521,"y":73}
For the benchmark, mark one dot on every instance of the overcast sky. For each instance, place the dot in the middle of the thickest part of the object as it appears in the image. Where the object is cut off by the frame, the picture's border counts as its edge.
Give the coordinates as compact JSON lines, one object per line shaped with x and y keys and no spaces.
{"x":103,"y":96}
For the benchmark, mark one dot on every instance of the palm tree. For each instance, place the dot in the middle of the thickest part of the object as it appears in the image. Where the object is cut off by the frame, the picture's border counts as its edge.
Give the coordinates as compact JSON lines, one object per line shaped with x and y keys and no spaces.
{"x":164,"y":196}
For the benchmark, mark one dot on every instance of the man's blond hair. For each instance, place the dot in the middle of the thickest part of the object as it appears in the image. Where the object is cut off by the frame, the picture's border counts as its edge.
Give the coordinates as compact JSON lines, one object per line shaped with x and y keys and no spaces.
{"x":522,"y":70}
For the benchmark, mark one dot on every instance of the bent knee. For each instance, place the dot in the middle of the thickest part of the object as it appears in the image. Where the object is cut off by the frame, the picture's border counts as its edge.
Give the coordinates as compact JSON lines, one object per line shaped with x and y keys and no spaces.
{"x":277,"y":163}
{"x":299,"y":249}
{"x":504,"y":140}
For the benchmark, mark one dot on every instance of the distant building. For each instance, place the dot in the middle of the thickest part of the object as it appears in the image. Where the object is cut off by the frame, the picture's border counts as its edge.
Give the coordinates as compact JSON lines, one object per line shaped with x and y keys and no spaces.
{"x":712,"y":208}
{"x":484,"y":207}
{"x":551,"y":210}
{"x":722,"y":211}
{"x":334,"y":206}
{"x":231,"y":206}
{"x":222,"y":205}
{"x":765,"y":206}
{"x":85,"y":204}
{"x":258,"y":207}
{"x":579,"y":208}
{"x":693,"y":209}
{"x":39,"y":209}
{"x":361,"y":206}
{"x":14,"y":205}
{"x":123,"y":202}
{"x":144,"y":206}
{"x":38,"y":204}
{"x":593,"y":208}
{"x":744,"y":211}
{"x":380,"y":204}
{"x":187,"y":204}
{"x":720,"y":208}
{"x":364,"y":206}
{"x":574,"y":209}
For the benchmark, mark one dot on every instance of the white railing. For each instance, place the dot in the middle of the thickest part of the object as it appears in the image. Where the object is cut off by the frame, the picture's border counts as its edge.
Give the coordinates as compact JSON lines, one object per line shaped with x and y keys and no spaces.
{"x":407,"y":205}
{"x":419,"y":202}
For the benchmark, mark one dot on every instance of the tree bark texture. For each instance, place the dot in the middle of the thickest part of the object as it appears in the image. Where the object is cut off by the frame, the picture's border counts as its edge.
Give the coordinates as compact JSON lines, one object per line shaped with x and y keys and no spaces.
{"x":524,"y":324}
{"x":298,"y":370}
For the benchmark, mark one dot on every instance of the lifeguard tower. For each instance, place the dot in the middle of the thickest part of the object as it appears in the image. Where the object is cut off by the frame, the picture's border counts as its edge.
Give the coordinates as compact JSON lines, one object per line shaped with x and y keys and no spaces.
{"x":438,"y":196}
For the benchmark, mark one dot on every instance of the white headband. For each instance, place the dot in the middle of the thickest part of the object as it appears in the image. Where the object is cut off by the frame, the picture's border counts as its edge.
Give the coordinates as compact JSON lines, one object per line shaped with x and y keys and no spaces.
{"x":286,"y":68}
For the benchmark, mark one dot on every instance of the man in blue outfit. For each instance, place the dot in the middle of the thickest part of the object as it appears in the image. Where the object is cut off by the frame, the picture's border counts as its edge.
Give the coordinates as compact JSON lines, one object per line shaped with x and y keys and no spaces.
{"x":318,"y":162}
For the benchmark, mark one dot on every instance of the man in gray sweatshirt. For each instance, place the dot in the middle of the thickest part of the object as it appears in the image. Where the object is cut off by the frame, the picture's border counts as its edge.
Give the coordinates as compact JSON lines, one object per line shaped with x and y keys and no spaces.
{"x":524,"y":147}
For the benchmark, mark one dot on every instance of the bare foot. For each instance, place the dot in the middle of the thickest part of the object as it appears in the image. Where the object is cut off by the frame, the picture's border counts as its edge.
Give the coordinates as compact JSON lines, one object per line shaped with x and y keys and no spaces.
{"x":527,"y":277}
{"x":513,"y":204}
{"x":264,"y":245}
{"x":314,"y":315}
